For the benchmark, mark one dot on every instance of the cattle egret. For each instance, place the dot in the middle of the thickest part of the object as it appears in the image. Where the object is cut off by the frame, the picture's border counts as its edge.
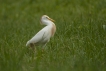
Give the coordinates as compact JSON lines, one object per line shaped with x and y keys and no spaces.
{"x":44,"y":35}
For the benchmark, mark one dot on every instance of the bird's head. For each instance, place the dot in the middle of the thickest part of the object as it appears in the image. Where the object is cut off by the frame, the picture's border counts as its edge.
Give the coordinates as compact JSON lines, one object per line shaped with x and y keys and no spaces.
{"x":45,"y":18}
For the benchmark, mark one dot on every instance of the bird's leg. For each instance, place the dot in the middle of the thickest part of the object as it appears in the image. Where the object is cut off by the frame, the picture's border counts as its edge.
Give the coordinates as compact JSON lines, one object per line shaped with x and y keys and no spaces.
{"x":43,"y":48}
{"x":32,"y":46}
{"x":44,"y":45}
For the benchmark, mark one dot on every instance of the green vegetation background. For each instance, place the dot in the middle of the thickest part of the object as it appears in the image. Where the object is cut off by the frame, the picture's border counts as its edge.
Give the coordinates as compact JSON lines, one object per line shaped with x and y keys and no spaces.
{"x":78,"y":45}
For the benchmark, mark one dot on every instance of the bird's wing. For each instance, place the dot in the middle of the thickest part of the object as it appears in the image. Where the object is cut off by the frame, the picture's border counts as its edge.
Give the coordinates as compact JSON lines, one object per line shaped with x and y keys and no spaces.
{"x":42,"y":36}
{"x":38,"y":37}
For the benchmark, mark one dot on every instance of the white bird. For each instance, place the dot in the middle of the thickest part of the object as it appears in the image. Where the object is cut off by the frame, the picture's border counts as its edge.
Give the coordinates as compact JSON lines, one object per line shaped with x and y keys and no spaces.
{"x":44,"y":35}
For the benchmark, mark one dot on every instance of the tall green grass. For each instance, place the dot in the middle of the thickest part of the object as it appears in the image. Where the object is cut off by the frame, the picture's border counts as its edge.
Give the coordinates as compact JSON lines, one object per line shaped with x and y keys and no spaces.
{"x":78,"y":45}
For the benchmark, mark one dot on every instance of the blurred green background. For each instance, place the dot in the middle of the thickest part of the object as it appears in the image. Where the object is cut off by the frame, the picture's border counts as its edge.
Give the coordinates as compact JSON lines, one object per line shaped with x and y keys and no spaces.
{"x":78,"y":45}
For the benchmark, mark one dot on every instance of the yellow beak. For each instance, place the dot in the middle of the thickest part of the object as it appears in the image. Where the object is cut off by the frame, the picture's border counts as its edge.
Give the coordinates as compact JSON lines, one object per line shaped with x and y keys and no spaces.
{"x":51,"y":20}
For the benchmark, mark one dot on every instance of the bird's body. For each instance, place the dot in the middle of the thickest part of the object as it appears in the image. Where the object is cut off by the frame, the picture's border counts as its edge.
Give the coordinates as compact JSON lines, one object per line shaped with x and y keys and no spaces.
{"x":44,"y":35}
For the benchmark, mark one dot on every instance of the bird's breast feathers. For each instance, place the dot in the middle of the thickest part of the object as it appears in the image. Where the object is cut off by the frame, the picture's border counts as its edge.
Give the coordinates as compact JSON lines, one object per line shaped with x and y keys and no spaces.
{"x":53,"y":30}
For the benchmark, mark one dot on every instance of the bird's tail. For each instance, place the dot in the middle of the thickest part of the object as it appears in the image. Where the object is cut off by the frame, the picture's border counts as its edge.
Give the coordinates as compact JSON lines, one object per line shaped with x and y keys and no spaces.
{"x":27,"y":44}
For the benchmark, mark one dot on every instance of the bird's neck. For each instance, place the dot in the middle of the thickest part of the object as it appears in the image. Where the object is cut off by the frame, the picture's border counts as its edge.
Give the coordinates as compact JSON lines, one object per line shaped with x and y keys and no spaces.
{"x":51,"y":26}
{"x":48,"y":23}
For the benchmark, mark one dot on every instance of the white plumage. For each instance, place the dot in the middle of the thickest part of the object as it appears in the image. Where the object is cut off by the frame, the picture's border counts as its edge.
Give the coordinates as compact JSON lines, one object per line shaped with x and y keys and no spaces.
{"x":44,"y":35}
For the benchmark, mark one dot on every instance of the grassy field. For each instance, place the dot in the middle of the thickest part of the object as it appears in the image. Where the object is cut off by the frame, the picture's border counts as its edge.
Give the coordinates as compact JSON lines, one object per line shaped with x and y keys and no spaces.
{"x":78,"y":45}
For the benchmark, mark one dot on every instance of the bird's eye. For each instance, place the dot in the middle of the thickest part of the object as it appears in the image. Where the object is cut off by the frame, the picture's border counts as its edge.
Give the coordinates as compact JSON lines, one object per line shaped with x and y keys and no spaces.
{"x":47,"y":17}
